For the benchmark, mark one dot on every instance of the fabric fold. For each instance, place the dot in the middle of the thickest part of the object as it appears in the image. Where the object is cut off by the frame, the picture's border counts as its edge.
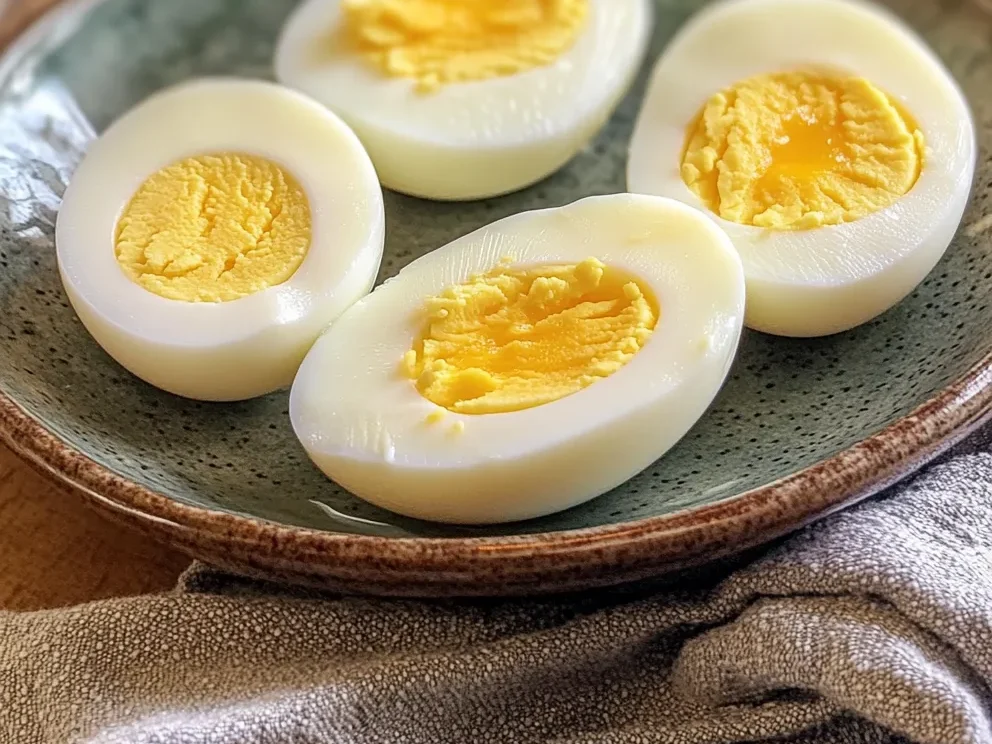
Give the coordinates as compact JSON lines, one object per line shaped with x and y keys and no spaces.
{"x":874,"y":625}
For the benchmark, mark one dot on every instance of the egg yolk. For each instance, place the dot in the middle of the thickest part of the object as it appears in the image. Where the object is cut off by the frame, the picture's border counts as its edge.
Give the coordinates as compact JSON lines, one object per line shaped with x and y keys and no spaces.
{"x":799,"y":150}
{"x":512,"y":339}
{"x":214,"y":228}
{"x":444,"y":41}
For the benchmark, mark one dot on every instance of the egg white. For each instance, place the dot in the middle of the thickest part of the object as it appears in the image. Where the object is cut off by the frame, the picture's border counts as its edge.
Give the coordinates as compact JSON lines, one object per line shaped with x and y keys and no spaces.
{"x":365,"y":424}
{"x":828,"y":279}
{"x":249,"y":346}
{"x":474,"y":139}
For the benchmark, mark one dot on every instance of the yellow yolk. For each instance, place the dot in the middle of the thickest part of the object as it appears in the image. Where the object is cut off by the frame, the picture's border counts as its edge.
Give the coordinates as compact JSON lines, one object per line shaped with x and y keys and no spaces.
{"x":799,"y":150}
{"x":214,"y":228}
{"x":444,"y":41}
{"x":435,"y":416}
{"x":512,"y":339}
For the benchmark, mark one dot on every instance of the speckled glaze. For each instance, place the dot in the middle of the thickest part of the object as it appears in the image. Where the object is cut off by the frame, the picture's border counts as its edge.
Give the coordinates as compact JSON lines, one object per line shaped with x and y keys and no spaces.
{"x":803,"y":427}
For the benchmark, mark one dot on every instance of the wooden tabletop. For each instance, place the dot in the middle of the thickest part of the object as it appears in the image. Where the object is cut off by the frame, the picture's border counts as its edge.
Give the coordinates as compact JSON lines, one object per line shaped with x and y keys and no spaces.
{"x":55,"y":551}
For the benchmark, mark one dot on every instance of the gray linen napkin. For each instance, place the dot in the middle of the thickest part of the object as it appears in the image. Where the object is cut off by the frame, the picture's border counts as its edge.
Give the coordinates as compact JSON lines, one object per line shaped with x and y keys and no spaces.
{"x":872,"y":626}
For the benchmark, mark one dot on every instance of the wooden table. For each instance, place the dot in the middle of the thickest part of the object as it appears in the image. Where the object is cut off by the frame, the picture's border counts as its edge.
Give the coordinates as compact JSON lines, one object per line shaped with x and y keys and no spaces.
{"x":55,"y":551}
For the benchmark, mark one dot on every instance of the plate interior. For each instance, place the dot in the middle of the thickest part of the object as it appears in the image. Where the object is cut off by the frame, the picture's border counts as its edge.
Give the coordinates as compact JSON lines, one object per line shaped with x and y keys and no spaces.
{"x":787,"y":404}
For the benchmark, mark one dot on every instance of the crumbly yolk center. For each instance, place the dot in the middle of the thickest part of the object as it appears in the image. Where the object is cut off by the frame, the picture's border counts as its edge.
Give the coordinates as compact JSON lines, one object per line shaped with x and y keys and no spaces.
{"x":214,"y":228}
{"x":799,"y":150}
{"x":512,"y":339}
{"x":445,"y":41}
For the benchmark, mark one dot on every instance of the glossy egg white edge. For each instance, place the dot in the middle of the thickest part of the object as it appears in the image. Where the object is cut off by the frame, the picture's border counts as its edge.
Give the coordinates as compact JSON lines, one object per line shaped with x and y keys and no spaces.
{"x":365,"y":425}
{"x":249,"y":346}
{"x":475,"y":139}
{"x":828,"y":279}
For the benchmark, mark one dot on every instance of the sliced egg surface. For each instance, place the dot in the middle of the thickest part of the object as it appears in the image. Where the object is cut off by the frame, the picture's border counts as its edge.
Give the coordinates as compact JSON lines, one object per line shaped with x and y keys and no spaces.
{"x":213,"y":231}
{"x":528,"y":366}
{"x":825,"y":138}
{"x":463,"y":100}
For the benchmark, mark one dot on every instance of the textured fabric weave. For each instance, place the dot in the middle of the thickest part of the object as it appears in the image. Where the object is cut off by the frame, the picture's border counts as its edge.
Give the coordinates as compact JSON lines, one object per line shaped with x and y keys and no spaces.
{"x":874,"y":625}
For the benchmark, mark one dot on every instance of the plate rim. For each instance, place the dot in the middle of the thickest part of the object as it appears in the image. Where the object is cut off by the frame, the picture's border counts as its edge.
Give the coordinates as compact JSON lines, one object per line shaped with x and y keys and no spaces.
{"x":510,"y":564}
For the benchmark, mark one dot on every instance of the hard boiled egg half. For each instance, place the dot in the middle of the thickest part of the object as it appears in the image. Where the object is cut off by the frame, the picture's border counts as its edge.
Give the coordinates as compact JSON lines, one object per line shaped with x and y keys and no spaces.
{"x":825,"y":138}
{"x":212,"y":232}
{"x":528,"y":366}
{"x":463,"y":100}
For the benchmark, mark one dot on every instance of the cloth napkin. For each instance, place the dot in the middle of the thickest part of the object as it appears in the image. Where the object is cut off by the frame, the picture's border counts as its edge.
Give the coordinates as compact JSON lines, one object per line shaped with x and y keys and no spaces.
{"x":874,"y":625}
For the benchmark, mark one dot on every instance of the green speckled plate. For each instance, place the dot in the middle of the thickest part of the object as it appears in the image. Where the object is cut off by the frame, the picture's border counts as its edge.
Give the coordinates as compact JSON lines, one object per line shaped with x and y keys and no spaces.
{"x":803,"y":427}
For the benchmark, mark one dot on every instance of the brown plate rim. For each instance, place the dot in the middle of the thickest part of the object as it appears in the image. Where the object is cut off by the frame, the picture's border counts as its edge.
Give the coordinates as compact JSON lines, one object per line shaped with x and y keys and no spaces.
{"x":514,"y":564}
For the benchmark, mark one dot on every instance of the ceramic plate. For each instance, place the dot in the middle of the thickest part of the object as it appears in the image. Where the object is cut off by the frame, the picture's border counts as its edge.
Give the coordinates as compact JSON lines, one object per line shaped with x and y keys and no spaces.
{"x":802,"y":427}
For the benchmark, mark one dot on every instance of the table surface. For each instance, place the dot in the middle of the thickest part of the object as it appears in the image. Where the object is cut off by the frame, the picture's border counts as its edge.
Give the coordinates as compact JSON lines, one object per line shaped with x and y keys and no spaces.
{"x":55,"y":551}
